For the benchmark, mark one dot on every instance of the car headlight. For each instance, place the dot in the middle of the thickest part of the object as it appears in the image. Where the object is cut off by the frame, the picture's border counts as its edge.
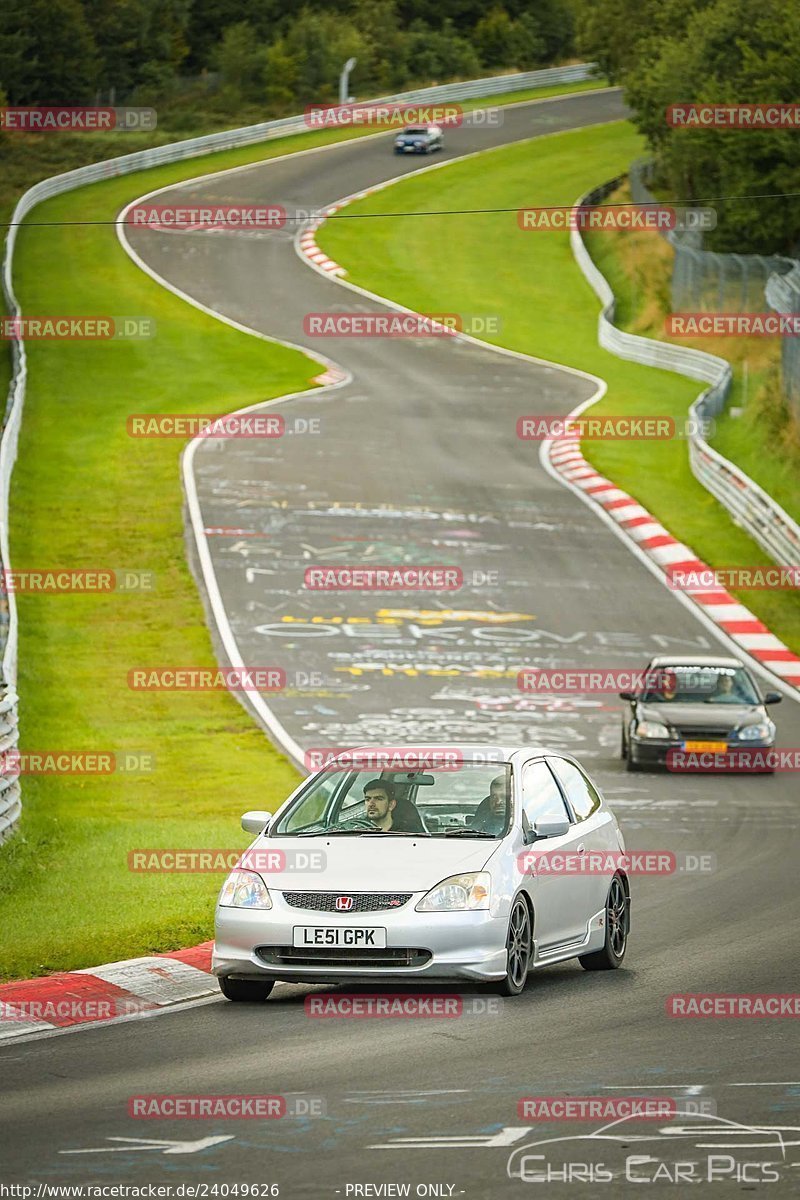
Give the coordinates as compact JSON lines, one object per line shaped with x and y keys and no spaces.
{"x":458,"y":894}
{"x":756,"y":733}
{"x":244,"y":889}
{"x":652,"y":729}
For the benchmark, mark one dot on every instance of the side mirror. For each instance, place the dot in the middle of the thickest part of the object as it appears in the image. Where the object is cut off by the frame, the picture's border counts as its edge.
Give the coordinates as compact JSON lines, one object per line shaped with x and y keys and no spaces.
{"x":773,"y":698}
{"x":627,"y":696}
{"x":255,"y":821}
{"x":551,"y":829}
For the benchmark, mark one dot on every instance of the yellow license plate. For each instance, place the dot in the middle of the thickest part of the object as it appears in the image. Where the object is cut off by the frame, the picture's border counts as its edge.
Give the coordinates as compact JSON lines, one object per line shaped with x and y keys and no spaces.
{"x":705,"y":747}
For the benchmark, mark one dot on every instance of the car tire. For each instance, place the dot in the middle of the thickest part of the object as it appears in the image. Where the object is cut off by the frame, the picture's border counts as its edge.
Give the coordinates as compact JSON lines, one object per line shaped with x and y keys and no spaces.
{"x":623,"y":745}
{"x":519,"y":947}
{"x":617,"y":924}
{"x":252,"y":990}
{"x":630,"y":762}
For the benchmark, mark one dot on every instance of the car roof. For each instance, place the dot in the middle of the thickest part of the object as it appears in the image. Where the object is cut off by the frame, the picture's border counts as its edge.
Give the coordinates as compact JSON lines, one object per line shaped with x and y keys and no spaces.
{"x":695,"y":660}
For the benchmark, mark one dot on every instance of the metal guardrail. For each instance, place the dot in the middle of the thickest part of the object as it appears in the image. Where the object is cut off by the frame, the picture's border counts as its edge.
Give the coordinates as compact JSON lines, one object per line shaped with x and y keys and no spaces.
{"x":749,"y":505}
{"x":127,"y":164}
{"x":10,"y":800}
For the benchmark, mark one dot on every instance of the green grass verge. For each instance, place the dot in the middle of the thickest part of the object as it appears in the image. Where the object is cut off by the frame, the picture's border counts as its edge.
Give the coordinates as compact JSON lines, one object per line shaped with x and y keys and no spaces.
{"x":84,"y":495}
{"x":484,"y":264}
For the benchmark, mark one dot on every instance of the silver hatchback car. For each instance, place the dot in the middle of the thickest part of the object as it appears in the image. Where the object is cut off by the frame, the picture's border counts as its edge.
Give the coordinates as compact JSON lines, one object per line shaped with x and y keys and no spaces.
{"x":427,"y":864}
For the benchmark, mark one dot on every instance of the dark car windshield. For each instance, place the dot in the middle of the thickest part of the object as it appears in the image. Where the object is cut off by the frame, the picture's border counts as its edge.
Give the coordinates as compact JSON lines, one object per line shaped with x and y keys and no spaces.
{"x":473,"y":799}
{"x":686,"y":684}
{"x":415,"y":132}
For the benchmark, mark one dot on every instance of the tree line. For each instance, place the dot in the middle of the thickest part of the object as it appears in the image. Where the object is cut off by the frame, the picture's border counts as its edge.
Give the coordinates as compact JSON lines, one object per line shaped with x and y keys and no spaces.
{"x":277,"y":53}
{"x":668,"y":52}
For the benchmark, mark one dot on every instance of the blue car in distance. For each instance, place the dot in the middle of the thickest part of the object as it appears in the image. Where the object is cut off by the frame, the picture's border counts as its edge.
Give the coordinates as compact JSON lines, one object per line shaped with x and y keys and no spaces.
{"x":419,"y":139}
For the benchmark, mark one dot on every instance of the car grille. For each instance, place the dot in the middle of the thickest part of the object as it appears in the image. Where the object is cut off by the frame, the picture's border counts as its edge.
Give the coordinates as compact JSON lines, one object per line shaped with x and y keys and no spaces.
{"x":362,"y":902}
{"x":703,"y":733}
{"x":326,"y":956}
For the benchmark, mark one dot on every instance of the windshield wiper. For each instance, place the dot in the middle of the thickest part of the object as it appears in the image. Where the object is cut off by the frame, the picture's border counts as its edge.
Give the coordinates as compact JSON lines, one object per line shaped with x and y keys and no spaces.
{"x":359,"y":833}
{"x":405,"y":833}
{"x":477,"y":833}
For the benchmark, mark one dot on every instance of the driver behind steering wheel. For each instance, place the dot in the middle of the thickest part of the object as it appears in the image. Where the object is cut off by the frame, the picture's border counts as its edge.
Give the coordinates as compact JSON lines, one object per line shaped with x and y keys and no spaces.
{"x":380,"y":802}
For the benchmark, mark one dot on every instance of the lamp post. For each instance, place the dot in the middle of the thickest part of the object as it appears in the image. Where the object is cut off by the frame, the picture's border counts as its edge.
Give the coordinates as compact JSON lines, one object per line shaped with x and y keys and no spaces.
{"x":344,"y":81}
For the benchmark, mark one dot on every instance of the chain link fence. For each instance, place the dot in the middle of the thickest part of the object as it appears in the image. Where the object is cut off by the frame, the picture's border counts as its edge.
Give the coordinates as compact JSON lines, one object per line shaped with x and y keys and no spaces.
{"x":783,"y":294}
{"x":705,"y":281}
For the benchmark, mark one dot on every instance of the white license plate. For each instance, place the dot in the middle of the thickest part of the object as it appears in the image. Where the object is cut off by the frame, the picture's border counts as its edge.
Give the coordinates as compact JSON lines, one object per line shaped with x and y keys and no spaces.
{"x":355,"y":935}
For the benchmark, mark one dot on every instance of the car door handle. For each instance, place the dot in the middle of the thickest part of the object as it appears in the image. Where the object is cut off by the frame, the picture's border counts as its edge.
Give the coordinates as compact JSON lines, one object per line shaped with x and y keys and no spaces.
{"x":581,"y":849}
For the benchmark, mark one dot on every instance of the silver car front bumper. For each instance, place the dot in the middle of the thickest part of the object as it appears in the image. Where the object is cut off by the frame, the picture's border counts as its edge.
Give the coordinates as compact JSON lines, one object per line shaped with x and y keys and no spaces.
{"x":250,"y":944}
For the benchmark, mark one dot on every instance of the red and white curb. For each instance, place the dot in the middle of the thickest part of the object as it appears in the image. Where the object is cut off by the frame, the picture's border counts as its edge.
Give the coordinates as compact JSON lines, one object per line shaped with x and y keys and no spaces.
{"x":330,"y":376}
{"x":650,"y":536}
{"x":108,"y":993}
{"x":308,"y":244}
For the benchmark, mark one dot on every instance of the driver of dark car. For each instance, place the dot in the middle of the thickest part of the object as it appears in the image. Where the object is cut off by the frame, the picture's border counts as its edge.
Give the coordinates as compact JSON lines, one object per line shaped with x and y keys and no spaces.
{"x":727,"y":688}
{"x":490,"y":815}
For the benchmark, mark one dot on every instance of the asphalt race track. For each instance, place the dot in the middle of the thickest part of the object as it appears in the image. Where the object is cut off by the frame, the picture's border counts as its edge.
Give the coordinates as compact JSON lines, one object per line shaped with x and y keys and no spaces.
{"x":417,"y":460}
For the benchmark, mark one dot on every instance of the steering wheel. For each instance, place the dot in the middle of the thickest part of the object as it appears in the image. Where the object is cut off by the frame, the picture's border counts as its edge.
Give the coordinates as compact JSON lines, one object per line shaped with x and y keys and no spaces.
{"x":358,"y":823}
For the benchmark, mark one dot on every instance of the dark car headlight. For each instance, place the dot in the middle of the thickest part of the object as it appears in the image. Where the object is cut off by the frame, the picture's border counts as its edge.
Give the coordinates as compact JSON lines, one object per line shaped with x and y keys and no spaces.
{"x":652,"y":729}
{"x":761,"y":732}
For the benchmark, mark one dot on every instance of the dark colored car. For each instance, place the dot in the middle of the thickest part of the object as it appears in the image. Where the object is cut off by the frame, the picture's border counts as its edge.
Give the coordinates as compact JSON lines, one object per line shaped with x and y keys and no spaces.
{"x":696,"y":705}
{"x":422,"y":139}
